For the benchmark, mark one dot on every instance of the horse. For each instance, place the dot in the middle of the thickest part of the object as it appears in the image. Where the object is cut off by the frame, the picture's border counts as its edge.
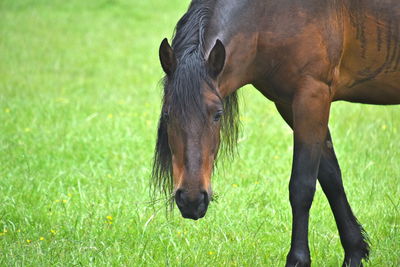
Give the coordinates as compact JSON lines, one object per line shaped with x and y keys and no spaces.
{"x":300,"y":54}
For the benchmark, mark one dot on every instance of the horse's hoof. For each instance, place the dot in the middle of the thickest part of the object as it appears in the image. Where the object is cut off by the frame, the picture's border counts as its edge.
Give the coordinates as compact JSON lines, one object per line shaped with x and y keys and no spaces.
{"x":352,"y":262}
{"x":297,"y":259}
{"x":354,"y":259}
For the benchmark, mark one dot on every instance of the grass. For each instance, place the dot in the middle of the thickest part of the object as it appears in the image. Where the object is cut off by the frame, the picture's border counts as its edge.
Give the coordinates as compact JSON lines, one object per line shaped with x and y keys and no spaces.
{"x":79,"y":101}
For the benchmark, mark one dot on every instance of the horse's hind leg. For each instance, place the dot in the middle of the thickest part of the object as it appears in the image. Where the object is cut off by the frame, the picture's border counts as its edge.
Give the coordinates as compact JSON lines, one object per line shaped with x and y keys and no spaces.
{"x":351,"y":233}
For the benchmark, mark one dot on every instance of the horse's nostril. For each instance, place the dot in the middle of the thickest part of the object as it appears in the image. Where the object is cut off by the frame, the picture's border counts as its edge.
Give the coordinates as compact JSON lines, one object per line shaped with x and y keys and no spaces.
{"x":204,"y":197}
{"x":201,"y":198}
{"x":179,"y":197}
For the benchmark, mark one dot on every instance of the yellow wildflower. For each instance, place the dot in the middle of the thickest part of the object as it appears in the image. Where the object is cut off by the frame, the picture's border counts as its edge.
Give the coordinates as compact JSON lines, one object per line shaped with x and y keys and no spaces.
{"x":109,"y":217}
{"x":64,"y":201}
{"x":234,"y":185}
{"x":62,"y":100}
{"x":211,"y":253}
{"x":41,"y":238}
{"x":69,"y":195}
{"x":28,"y":241}
{"x":53,"y":231}
{"x":110,"y":116}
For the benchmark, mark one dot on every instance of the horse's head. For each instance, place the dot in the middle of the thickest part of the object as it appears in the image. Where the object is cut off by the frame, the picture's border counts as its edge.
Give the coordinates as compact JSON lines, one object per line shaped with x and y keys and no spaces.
{"x":189,"y":127}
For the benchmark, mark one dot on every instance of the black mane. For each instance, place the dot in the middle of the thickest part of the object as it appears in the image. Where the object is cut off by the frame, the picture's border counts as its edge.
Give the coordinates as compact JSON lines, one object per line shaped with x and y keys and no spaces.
{"x":183,"y":89}
{"x":190,"y":29}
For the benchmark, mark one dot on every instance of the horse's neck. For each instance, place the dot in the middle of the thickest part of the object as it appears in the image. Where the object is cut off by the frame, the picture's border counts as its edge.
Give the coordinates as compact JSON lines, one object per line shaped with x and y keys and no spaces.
{"x":234,"y":23}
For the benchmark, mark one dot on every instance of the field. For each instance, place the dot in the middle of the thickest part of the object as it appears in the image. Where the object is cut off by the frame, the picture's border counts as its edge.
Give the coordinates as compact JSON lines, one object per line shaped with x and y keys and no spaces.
{"x":79,"y":102}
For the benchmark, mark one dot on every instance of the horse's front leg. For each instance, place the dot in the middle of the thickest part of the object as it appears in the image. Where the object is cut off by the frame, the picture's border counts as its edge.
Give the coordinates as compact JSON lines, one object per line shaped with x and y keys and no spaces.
{"x":310,"y":109}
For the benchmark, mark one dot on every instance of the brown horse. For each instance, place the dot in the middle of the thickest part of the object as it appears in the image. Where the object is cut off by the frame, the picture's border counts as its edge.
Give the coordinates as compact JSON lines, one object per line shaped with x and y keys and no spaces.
{"x":300,"y":54}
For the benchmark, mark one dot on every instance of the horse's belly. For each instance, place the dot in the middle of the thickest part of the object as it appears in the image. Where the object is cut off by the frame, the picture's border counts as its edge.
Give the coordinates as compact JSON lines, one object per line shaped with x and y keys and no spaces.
{"x":383,"y":90}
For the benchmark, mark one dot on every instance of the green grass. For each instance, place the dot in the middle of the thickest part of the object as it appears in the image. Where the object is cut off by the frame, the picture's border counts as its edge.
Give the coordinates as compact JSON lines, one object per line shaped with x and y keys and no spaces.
{"x":79,"y":101}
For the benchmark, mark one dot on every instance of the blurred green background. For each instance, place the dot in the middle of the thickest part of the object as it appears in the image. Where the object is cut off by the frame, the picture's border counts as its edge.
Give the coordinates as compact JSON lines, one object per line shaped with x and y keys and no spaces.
{"x":79,"y":102}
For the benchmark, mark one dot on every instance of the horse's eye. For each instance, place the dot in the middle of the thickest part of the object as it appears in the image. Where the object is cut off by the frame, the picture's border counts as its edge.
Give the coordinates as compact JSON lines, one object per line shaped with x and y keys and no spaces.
{"x":165,"y":116}
{"x":218,"y":115}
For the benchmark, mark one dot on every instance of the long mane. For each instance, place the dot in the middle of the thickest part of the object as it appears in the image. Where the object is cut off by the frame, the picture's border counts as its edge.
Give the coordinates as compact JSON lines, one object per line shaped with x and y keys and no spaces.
{"x":184,"y":92}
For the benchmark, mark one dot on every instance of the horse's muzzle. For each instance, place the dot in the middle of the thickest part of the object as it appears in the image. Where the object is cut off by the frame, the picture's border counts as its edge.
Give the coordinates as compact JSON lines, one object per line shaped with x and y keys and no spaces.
{"x":192,"y":206}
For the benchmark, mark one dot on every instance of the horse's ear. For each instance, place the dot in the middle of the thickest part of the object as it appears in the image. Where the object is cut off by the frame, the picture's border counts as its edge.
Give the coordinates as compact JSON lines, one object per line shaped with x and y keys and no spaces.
{"x":216,"y":59}
{"x":167,"y":57}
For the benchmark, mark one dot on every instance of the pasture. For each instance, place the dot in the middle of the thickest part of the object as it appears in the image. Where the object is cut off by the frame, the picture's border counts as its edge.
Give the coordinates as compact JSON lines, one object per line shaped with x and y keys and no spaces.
{"x":79,"y":103}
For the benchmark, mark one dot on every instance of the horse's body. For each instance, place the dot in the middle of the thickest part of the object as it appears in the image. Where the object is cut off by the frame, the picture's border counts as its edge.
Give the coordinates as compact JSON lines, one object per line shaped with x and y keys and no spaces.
{"x":302,"y":55}
{"x":353,"y":46}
